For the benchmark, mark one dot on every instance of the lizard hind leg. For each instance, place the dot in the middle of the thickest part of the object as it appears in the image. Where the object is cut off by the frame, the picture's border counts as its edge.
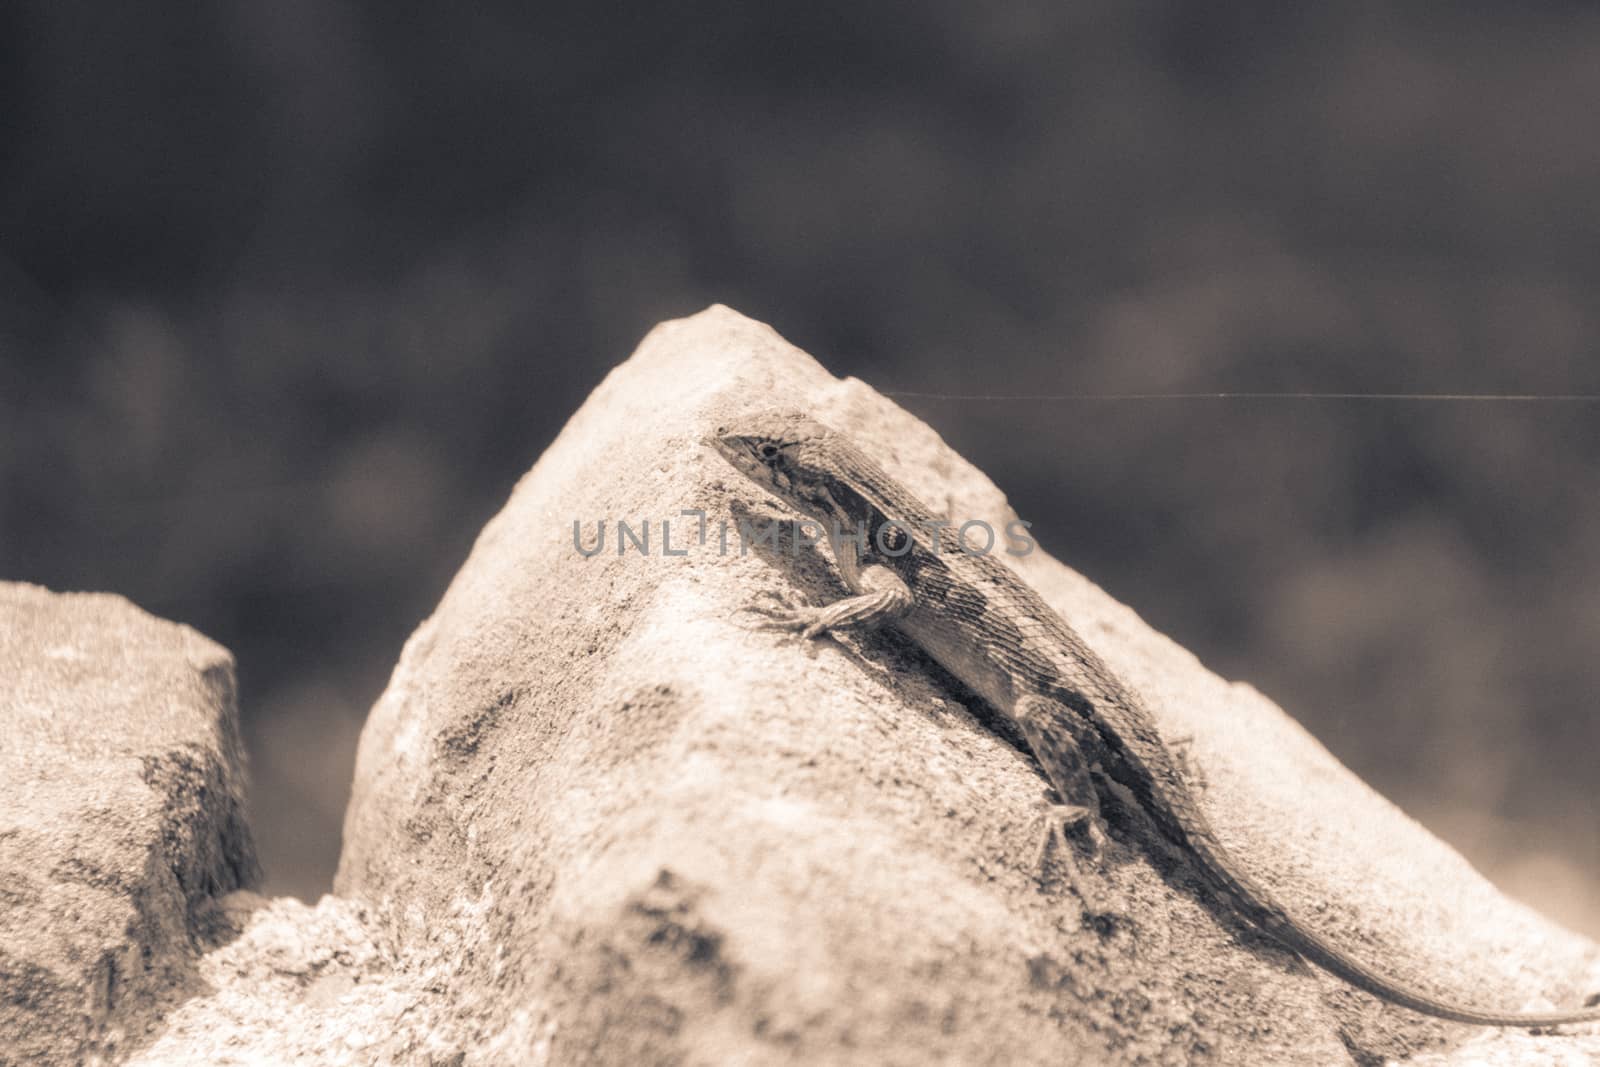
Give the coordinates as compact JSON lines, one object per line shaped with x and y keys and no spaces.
{"x":1077,"y":806}
{"x":1054,"y":821}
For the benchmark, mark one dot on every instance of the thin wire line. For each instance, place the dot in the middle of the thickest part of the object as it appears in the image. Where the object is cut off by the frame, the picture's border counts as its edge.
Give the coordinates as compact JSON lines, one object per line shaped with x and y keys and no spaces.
{"x":1514,"y":398}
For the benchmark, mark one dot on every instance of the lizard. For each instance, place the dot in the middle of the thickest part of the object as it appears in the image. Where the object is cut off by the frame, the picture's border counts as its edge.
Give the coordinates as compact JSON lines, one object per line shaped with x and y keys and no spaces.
{"x":974,"y":616}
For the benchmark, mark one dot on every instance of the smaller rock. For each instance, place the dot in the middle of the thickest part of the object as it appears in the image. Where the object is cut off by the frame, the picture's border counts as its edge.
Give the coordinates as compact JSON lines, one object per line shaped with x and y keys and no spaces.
{"x":121,"y":817}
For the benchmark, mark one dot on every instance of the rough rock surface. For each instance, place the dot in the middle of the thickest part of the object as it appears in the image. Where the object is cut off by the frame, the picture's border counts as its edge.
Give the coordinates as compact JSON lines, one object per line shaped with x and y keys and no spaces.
{"x":686,"y":842}
{"x":597,"y":821}
{"x":121,"y":818}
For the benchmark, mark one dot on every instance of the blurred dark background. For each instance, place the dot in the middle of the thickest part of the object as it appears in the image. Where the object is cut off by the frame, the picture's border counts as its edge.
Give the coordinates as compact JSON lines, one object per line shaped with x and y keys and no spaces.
{"x":291,"y":293}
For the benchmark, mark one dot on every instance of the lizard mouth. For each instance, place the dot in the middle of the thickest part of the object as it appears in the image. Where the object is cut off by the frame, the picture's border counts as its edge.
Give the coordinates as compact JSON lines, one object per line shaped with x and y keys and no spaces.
{"x":737,"y":456}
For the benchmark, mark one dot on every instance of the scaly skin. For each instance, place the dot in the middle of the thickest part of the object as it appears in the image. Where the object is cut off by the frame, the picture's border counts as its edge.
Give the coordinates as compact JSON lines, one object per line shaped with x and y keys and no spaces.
{"x":989,"y":629}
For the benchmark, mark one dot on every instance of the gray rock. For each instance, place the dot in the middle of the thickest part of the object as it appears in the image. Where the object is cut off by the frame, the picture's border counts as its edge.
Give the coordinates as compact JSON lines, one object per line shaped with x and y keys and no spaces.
{"x":689,"y":843}
{"x":595,"y":821}
{"x":121,"y":818}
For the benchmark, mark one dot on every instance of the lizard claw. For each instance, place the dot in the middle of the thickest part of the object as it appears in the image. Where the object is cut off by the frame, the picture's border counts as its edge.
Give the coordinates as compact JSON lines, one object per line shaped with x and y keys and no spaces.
{"x":787,"y":613}
{"x":782,"y":621}
{"x":1058,"y":820}
{"x":781,"y":602}
{"x":1182,"y":749}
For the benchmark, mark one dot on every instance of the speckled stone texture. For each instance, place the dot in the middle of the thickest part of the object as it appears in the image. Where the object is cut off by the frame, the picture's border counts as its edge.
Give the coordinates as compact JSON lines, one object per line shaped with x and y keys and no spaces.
{"x":121,"y":818}
{"x":689,"y":842}
{"x":595,"y":820}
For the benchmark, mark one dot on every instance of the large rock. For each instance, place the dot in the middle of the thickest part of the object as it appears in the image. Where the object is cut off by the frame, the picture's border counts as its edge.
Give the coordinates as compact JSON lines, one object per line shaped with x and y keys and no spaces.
{"x":679,"y":841}
{"x":121,"y":818}
{"x":597,"y":822}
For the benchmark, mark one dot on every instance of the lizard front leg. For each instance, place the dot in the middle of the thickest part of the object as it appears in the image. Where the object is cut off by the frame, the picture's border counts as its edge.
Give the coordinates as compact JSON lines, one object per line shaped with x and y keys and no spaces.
{"x":881,"y":597}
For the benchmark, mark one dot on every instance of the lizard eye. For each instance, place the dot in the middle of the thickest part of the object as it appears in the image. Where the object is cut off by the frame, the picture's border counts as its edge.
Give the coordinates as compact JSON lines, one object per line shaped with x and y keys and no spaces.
{"x":768,"y":450}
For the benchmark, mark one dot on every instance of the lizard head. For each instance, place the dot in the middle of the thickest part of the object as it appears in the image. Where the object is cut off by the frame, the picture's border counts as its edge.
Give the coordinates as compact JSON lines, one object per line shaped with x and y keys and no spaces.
{"x":817,"y":471}
{"x":783,"y":452}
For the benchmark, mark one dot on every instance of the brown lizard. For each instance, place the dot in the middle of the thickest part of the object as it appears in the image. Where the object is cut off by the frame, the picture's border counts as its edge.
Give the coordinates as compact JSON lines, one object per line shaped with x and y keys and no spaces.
{"x":973,"y":615}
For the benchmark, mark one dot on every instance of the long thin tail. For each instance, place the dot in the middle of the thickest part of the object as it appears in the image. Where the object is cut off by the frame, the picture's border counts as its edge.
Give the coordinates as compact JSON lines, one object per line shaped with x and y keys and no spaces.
{"x":1256,"y":904}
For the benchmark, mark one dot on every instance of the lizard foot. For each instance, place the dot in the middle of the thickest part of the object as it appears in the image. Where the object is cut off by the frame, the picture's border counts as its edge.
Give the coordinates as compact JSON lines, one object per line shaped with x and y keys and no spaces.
{"x":1182,"y":749}
{"x":881,"y":596}
{"x":1057,"y":821}
{"x":786,"y":613}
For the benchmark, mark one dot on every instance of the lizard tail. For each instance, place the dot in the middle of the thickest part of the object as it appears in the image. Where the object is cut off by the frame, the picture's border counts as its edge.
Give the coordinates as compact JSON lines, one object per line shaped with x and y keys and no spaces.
{"x":1256,"y":904}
